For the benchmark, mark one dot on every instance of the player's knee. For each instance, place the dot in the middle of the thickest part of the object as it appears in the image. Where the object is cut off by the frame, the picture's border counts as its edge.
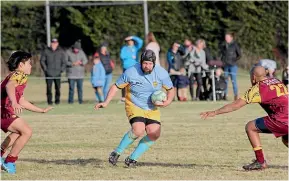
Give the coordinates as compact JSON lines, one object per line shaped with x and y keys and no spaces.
{"x":154,"y":136}
{"x":138,"y":132}
{"x":27,"y":132}
{"x":250,"y":126}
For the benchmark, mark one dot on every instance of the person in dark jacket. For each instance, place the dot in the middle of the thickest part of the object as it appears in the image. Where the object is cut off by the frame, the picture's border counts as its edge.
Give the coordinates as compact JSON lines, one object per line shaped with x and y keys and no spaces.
{"x":53,"y":64}
{"x":230,"y":54}
{"x":176,"y":63}
{"x":108,"y":66}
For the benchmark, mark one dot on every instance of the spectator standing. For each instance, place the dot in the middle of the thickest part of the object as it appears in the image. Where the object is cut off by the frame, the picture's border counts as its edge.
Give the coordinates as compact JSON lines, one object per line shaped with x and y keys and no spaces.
{"x":230,"y":54}
{"x":108,"y":66}
{"x":153,"y":45}
{"x":53,"y":64}
{"x":188,"y":48}
{"x":76,"y":59}
{"x":98,"y":77}
{"x":176,"y":63}
{"x":196,"y":61}
{"x":206,"y":74}
{"x":129,"y":55}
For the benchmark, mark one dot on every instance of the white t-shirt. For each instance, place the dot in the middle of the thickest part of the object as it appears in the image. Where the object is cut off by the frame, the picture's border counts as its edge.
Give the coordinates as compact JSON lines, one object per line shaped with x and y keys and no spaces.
{"x":156,"y":49}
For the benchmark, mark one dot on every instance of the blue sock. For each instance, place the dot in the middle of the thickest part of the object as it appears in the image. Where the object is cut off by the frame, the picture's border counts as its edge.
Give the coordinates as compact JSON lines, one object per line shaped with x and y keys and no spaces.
{"x":144,"y":144}
{"x":127,"y":140}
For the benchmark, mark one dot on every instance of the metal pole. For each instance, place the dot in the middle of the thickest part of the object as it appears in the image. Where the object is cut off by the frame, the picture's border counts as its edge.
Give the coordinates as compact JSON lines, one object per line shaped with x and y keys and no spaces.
{"x":115,"y":3}
{"x":145,"y":12}
{"x":213,"y":84}
{"x":47,"y":23}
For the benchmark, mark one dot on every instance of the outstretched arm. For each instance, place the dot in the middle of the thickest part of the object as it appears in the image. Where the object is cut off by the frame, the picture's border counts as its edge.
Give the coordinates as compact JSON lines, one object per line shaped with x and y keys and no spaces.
{"x":27,"y":105}
{"x":225,"y":109}
{"x":111,"y":93}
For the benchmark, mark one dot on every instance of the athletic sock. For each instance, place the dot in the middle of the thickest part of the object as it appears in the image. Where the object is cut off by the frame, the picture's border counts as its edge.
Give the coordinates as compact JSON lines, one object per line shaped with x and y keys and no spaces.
{"x":259,"y":154}
{"x":10,"y":158}
{"x":127,"y":140}
{"x":144,"y":144}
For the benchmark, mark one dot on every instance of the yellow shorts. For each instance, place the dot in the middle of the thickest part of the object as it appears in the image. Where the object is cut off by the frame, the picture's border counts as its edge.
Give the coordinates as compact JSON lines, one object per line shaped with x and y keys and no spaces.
{"x":133,"y":111}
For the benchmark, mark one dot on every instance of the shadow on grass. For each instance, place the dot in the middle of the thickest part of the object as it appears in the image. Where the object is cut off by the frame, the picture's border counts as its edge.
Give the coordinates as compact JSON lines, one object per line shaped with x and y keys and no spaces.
{"x":283,"y":167}
{"x":156,"y":164}
{"x":99,"y":163}
{"x":79,"y":161}
{"x":192,"y":166}
{"x":180,"y":165}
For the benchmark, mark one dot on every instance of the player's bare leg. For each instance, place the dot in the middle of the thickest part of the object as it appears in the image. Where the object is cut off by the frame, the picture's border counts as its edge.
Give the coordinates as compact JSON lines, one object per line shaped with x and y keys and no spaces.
{"x":20,"y":127}
{"x":153,"y":133}
{"x":253,"y":135}
{"x":8,"y":142}
{"x":137,"y":130}
{"x":182,"y":92}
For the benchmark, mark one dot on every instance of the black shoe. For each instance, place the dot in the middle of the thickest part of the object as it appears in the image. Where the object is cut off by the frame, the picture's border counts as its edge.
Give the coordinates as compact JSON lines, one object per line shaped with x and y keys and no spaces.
{"x":113,"y":157}
{"x":130,"y":162}
{"x":255,"y":166}
{"x":50,"y":104}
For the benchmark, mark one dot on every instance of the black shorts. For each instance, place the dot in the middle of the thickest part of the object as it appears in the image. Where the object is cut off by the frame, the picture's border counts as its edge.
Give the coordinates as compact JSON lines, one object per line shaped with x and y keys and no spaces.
{"x":182,"y":81}
{"x":146,"y":121}
{"x":260,"y":124}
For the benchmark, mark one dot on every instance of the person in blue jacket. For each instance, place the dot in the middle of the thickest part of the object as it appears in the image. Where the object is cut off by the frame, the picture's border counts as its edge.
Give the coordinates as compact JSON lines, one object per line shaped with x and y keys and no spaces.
{"x":98,"y":77}
{"x":129,"y":55}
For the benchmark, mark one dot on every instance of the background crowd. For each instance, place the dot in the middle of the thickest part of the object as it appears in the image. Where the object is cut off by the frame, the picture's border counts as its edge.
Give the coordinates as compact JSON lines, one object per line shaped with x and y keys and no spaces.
{"x":189,"y":63}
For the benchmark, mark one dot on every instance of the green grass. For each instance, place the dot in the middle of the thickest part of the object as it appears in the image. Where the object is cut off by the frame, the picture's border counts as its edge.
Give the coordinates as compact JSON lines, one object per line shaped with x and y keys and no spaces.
{"x":73,"y":142}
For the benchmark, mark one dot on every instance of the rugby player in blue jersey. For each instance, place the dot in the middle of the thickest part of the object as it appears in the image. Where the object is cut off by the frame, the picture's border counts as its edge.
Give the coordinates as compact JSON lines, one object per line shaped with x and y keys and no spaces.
{"x":140,"y":82}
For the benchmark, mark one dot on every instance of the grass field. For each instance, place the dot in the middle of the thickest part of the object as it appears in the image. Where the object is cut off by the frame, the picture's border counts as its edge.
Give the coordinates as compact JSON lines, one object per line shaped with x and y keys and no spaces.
{"x":73,"y":142}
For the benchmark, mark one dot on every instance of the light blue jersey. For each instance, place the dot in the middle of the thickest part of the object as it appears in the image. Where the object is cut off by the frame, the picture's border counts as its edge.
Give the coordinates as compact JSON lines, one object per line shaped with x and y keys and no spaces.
{"x":140,"y":87}
{"x":129,"y":54}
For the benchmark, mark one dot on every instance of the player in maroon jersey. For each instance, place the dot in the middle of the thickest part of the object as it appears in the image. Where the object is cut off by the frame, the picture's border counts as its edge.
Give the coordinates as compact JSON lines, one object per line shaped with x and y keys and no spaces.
{"x":12,"y":103}
{"x":272,"y":95}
